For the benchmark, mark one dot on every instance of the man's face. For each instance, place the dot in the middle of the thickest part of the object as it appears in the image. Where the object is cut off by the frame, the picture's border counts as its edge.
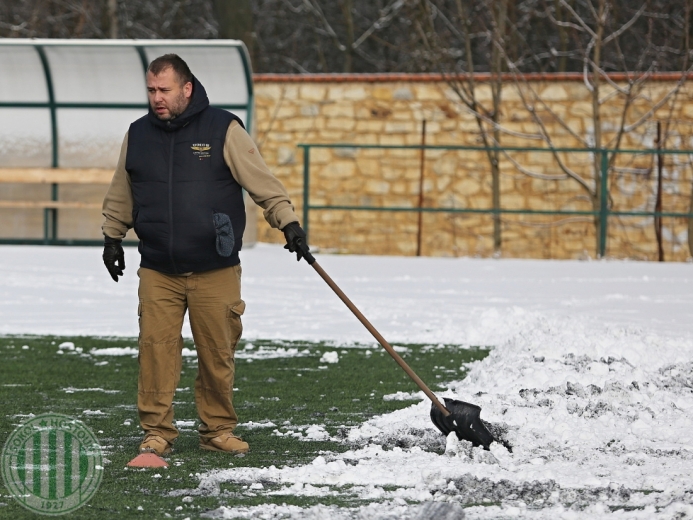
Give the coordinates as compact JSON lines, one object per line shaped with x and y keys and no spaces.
{"x":167,"y":97}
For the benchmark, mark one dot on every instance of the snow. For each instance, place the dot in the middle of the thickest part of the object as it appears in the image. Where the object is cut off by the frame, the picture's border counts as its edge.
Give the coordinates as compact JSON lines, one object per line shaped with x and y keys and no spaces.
{"x":330,"y":357}
{"x":590,"y":378}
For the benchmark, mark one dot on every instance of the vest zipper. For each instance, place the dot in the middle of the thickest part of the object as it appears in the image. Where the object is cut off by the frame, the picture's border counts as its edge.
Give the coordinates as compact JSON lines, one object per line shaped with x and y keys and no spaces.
{"x":170,"y":204}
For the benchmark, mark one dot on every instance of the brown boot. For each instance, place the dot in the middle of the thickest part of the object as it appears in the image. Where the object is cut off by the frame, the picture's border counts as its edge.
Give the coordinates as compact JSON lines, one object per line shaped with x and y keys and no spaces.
{"x":155,"y":444}
{"x":227,"y":442}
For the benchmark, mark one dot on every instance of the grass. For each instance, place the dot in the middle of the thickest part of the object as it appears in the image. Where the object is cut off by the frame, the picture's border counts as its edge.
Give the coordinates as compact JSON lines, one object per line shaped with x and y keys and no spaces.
{"x":292,"y":392}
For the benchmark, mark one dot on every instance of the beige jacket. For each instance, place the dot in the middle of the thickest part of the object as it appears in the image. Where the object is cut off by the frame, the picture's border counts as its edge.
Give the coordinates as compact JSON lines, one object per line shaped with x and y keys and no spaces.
{"x":247,"y":167}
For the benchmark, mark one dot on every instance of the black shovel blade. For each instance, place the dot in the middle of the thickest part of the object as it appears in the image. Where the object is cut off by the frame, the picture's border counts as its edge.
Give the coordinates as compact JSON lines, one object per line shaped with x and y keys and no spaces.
{"x":464,"y":420}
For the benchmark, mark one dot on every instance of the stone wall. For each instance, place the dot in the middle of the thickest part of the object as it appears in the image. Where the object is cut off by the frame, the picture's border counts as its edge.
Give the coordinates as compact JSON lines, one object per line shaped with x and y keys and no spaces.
{"x":389,"y":110}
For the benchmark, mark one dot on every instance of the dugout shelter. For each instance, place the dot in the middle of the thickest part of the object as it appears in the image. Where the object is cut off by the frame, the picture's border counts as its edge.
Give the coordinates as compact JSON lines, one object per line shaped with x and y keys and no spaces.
{"x":65,"y":106}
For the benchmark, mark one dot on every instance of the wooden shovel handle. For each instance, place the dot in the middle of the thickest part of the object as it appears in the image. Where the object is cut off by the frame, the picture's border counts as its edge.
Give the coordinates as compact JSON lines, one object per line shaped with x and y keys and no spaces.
{"x":379,"y":337}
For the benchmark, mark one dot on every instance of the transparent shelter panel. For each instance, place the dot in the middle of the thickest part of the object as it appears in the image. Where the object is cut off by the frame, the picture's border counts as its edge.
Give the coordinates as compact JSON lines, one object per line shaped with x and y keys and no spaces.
{"x":96,"y":74}
{"x":91,"y":138}
{"x":242,"y":115}
{"x":219,"y":69}
{"x":22,"y":78}
{"x":25,"y":138}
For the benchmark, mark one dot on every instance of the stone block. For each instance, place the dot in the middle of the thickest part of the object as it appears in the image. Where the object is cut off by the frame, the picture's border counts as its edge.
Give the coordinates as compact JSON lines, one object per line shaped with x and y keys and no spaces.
{"x":554,"y":92}
{"x":312,"y":92}
{"x":413,"y":172}
{"x":269,"y":91}
{"x":346,"y":153}
{"x":399,"y":188}
{"x":285,"y":112}
{"x":392,"y":139}
{"x":576,"y":91}
{"x":403,"y":94}
{"x":403,"y":115}
{"x":483,"y":93}
{"x":428,"y":92}
{"x":390,"y":173}
{"x":370,"y":126}
{"x":542,"y":186}
{"x":286,"y":155}
{"x":539,"y":202}
{"x":442,"y":183}
{"x":364,"y":138}
{"x":342,"y":92}
{"x":467,"y":187}
{"x":339,"y":169}
{"x":320,"y":155}
{"x":535,"y":159}
{"x":374,"y":187}
{"x":432,"y":128}
{"x":345,"y":110}
{"x":513,"y":201}
{"x":281,"y":137}
{"x":310,"y":110}
{"x":368,"y":167}
{"x":382,"y":93}
{"x":445,"y":166}
{"x":298,"y":124}
{"x":470,"y":126}
{"x":341,"y":123}
{"x":581,"y":109}
{"x":449,"y":125}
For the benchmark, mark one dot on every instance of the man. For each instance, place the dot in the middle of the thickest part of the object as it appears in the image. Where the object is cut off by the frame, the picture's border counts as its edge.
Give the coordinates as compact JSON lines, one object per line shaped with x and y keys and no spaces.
{"x":178,"y":183}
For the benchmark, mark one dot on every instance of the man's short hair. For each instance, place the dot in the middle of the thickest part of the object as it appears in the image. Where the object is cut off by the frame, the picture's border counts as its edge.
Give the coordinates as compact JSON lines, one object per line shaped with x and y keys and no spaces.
{"x":175,"y":62}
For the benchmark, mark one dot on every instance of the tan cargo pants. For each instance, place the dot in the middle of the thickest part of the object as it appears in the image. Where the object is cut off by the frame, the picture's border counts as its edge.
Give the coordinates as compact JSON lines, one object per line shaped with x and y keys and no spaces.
{"x":213,"y":299}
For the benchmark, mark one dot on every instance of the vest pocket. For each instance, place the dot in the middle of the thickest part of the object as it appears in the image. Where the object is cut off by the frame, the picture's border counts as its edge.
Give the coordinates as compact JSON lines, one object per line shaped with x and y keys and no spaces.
{"x":224,"y":231}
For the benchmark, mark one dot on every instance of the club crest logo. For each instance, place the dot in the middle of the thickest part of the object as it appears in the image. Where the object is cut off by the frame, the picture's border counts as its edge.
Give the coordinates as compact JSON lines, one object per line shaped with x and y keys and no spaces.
{"x":52,"y":464}
{"x":201,"y":150}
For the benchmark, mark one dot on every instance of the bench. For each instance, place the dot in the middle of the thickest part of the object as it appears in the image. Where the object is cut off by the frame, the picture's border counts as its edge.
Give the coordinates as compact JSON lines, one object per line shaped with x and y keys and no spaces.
{"x":54,"y":177}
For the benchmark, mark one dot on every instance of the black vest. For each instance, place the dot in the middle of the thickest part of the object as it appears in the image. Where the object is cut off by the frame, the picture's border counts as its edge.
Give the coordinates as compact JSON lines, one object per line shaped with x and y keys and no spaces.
{"x":182,"y":189}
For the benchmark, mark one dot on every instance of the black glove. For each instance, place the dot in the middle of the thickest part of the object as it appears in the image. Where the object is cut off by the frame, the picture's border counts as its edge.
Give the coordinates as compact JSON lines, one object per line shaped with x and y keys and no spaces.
{"x":296,"y":241}
{"x":113,"y":257}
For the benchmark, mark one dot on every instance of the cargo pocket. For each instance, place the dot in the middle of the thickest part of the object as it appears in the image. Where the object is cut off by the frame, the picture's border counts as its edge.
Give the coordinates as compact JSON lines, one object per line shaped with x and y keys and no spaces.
{"x":233,"y":316}
{"x":224,"y":231}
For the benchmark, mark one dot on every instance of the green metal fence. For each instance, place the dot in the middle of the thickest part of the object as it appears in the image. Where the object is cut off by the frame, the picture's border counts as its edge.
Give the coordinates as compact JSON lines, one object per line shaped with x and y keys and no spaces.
{"x":603,"y":213}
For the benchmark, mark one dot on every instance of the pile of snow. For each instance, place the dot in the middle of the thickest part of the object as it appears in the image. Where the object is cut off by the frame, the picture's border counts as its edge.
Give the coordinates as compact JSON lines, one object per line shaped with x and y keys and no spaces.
{"x":115,"y":351}
{"x":330,"y":357}
{"x":250,"y":425}
{"x":404,"y":396}
{"x":598,"y":417}
{"x":72,"y":390}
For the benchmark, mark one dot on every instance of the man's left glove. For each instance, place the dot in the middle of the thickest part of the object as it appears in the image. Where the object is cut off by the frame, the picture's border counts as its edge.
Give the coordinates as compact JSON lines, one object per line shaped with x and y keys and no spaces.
{"x":113,"y":257}
{"x":296,"y":241}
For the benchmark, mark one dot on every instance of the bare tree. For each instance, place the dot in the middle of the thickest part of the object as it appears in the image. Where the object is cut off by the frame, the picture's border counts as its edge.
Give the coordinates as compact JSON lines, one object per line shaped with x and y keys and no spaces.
{"x":235,"y":20}
{"x":107,"y":19}
{"x":603,"y":36}
{"x":477,"y":29}
{"x":606,"y":36}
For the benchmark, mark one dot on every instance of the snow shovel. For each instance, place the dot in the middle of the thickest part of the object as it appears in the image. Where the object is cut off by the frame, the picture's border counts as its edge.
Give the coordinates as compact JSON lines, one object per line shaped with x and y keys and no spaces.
{"x":458,"y":416}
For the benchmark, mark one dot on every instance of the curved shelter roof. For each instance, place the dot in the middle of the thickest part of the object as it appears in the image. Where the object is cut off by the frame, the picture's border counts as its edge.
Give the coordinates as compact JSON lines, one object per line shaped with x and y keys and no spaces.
{"x":68,"y":103}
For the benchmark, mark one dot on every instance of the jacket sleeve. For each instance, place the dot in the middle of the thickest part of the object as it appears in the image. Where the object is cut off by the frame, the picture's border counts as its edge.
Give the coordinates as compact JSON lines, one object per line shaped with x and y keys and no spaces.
{"x":251,"y":172}
{"x":117,"y":205}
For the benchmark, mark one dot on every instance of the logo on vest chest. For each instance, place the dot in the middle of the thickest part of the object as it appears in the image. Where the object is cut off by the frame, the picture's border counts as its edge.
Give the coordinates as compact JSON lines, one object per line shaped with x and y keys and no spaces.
{"x":201,"y":150}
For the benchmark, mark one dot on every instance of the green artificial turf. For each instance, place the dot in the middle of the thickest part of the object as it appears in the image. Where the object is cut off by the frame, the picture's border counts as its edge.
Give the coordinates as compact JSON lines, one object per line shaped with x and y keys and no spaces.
{"x":291,"y":392}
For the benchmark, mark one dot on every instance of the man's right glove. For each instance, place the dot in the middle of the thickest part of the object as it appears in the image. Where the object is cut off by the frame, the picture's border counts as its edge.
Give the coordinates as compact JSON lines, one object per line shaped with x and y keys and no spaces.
{"x":113,"y":257}
{"x":296,"y":242}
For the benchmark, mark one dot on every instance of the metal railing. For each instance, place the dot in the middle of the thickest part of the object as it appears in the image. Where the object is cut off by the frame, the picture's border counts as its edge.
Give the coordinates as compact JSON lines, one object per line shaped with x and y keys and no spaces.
{"x":603,"y":213}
